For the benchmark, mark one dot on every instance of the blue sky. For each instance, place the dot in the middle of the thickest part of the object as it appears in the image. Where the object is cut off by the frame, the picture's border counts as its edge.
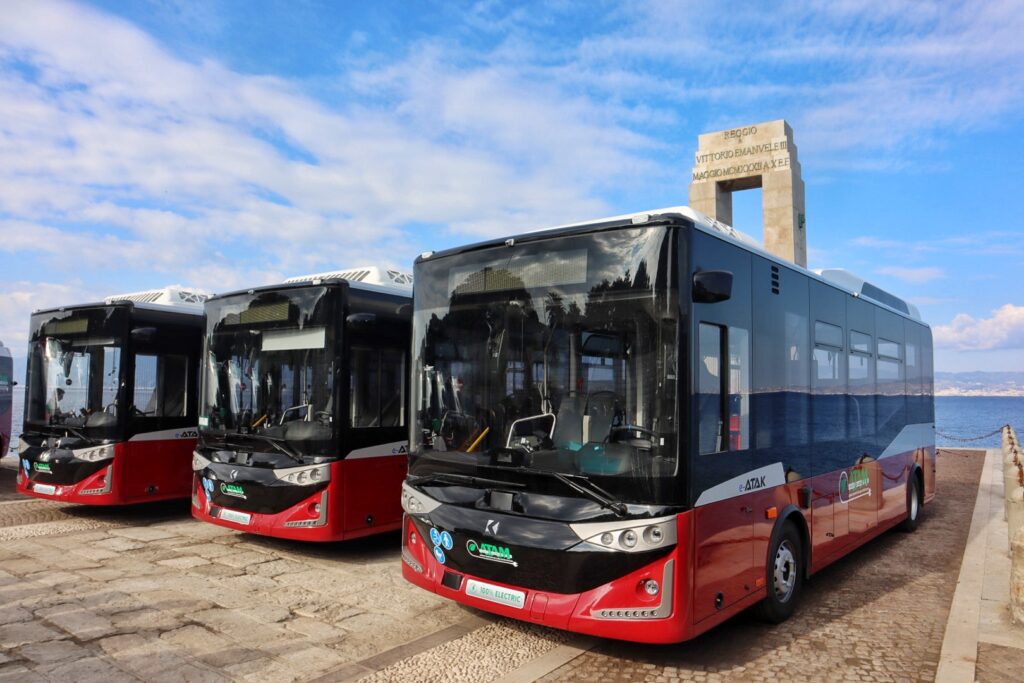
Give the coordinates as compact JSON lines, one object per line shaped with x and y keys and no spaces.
{"x":228,"y":144}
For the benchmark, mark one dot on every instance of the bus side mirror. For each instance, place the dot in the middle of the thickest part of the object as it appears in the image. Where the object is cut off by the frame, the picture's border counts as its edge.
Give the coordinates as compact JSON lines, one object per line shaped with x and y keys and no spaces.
{"x":712,"y":286}
{"x":361,"y":319}
{"x":143,"y":334}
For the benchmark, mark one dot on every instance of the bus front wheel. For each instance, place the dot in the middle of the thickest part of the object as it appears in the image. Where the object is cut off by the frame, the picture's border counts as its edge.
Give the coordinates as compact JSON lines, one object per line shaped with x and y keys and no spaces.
{"x":913,"y":504}
{"x":785,"y":576}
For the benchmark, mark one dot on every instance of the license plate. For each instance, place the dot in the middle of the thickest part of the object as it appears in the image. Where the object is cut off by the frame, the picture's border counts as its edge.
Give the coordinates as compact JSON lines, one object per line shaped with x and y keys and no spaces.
{"x":492,"y":593}
{"x":234,"y":516}
{"x":45,"y":489}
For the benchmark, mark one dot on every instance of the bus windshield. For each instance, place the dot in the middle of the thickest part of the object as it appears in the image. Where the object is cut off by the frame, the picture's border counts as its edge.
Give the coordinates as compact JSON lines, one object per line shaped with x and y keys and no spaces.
{"x":268,"y":382}
{"x":552,"y":359}
{"x":74,"y":371}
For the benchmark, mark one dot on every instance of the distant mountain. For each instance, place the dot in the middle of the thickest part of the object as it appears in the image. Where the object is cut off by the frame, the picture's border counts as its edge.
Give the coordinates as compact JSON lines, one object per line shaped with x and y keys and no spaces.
{"x":979,"y":383}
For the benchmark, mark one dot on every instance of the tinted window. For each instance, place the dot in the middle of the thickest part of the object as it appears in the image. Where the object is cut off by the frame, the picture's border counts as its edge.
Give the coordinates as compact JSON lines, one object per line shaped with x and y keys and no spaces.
{"x":709,"y":388}
{"x":829,"y":335}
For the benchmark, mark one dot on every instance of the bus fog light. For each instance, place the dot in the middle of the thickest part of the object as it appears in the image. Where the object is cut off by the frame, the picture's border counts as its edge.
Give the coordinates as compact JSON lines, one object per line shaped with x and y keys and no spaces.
{"x":607,"y":538}
{"x":412,"y":538}
{"x":654,"y":535}
{"x":651,"y":587}
{"x":628,"y":538}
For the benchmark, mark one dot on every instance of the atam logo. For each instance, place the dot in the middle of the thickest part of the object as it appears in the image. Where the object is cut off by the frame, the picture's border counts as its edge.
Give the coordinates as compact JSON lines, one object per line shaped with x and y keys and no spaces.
{"x":232,"y":490}
{"x":492,"y":552}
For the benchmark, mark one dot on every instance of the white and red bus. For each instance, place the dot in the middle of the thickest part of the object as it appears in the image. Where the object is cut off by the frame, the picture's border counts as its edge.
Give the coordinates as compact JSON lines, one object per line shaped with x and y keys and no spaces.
{"x":7,"y":385}
{"x":303,"y":432}
{"x":110,"y":399}
{"x":638,"y":427}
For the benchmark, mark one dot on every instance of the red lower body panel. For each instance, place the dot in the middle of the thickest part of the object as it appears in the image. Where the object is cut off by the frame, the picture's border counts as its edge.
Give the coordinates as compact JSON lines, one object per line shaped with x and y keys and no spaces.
{"x":140,"y":472}
{"x":716,"y":570}
{"x":363,"y":498}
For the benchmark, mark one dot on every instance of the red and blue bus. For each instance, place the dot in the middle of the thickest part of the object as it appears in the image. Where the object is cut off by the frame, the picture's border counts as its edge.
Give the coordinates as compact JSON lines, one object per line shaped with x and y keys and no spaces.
{"x":303,"y":430}
{"x":7,"y":385}
{"x":637,"y":427}
{"x":110,"y":399}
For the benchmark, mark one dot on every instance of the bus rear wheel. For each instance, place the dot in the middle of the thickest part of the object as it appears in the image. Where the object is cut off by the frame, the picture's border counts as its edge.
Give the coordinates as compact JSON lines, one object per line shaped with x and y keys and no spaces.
{"x":785,"y":576}
{"x":913,"y":505}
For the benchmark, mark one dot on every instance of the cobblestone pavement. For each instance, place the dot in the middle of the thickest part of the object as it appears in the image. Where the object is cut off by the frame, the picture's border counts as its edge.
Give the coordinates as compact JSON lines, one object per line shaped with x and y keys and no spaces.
{"x":877,"y":615}
{"x":153,"y":595}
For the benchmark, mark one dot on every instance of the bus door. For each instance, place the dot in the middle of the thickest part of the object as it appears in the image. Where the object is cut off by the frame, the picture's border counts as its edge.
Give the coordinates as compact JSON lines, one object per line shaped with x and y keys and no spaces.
{"x":729,"y":556}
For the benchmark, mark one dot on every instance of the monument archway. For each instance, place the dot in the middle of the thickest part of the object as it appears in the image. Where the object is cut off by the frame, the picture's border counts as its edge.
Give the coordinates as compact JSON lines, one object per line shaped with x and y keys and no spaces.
{"x":760,"y":155}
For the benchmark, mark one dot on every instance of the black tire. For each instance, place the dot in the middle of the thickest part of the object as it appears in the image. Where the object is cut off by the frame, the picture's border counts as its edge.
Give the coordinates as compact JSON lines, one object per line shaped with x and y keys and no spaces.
{"x":914,"y":505}
{"x":786,"y":584}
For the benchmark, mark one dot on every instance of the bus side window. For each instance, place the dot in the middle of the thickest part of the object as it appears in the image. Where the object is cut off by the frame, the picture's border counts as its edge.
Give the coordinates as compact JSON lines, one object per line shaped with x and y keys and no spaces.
{"x":160,"y":385}
{"x":364,"y":388}
{"x":377,"y":387}
{"x":739,"y":389}
{"x":709,"y":389}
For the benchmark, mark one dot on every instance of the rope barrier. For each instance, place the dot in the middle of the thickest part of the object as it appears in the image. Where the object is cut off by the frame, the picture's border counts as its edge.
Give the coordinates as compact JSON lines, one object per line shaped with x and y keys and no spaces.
{"x":962,"y":439}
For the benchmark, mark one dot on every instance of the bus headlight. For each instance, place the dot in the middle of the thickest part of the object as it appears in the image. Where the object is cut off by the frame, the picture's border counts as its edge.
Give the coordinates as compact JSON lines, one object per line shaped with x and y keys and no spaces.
{"x":98,"y":454}
{"x":416,"y":502}
{"x":630,"y":536}
{"x":303,"y":476}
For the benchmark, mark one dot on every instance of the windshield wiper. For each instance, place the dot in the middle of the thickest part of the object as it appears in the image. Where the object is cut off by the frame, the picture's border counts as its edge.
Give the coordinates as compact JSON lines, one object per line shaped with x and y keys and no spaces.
{"x":451,"y":478}
{"x":279,"y":444}
{"x":592,"y":491}
{"x":74,"y":430}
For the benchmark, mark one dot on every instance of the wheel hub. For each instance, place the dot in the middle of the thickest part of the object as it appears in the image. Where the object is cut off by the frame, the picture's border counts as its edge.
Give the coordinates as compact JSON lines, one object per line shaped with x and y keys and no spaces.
{"x":784,"y":574}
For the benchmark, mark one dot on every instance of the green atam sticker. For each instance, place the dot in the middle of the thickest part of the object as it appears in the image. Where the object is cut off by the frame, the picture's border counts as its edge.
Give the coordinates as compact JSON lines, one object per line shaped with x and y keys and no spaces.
{"x":232,"y":490}
{"x":490,"y":551}
{"x":42,"y":467}
{"x":854,"y":485}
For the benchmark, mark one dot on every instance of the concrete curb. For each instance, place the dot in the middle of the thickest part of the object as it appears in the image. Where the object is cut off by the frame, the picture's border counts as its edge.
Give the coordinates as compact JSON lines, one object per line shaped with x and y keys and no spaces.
{"x":549,"y":661}
{"x":959,"y":656}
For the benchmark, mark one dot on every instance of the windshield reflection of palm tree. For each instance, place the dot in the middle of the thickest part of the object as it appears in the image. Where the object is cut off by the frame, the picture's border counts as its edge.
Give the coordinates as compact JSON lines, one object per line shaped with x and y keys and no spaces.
{"x":500,"y":293}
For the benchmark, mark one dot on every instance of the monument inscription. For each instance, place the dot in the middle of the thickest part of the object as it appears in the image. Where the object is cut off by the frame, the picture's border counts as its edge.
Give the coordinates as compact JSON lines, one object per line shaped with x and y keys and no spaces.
{"x":748,"y":157}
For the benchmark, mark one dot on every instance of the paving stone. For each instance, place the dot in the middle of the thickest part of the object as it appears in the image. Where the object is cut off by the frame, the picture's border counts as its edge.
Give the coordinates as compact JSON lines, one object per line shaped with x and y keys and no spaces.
{"x":53,"y":651}
{"x":231,"y":656}
{"x":146,"y":619}
{"x":243,"y":558}
{"x":316,"y":629}
{"x":89,"y":670}
{"x":118,"y":544}
{"x":22,"y":633}
{"x":196,"y":639}
{"x":184,"y":562}
{"x":13,"y":613}
{"x":219,"y":571}
{"x":143,"y":533}
{"x":80,"y":623}
{"x":16,"y":673}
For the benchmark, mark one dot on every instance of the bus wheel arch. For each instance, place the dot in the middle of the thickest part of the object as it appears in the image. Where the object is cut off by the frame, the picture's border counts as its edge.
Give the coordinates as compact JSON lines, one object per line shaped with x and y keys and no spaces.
{"x":791,"y":514}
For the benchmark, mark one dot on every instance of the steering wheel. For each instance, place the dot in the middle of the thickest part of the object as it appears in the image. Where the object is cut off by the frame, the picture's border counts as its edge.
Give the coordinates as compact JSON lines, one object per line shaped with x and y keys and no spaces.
{"x":652,"y":435}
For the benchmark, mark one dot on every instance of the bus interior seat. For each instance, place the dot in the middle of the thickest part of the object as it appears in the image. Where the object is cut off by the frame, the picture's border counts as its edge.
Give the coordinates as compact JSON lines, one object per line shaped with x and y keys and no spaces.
{"x":601,"y":411}
{"x":568,"y":432}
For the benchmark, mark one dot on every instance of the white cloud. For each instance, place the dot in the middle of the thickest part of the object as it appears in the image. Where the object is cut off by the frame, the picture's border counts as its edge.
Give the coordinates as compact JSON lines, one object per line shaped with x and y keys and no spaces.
{"x":20,"y":298}
{"x":915,"y":275}
{"x":1004,"y":330}
{"x":113,"y":150}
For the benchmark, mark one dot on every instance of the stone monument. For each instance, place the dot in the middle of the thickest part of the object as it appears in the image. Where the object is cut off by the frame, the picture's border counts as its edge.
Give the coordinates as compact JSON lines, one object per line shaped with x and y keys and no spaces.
{"x":761,"y":155}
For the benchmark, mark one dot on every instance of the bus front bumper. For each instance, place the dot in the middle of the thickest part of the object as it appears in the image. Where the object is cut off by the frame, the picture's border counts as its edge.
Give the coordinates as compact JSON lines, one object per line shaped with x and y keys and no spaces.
{"x":621,"y":609}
